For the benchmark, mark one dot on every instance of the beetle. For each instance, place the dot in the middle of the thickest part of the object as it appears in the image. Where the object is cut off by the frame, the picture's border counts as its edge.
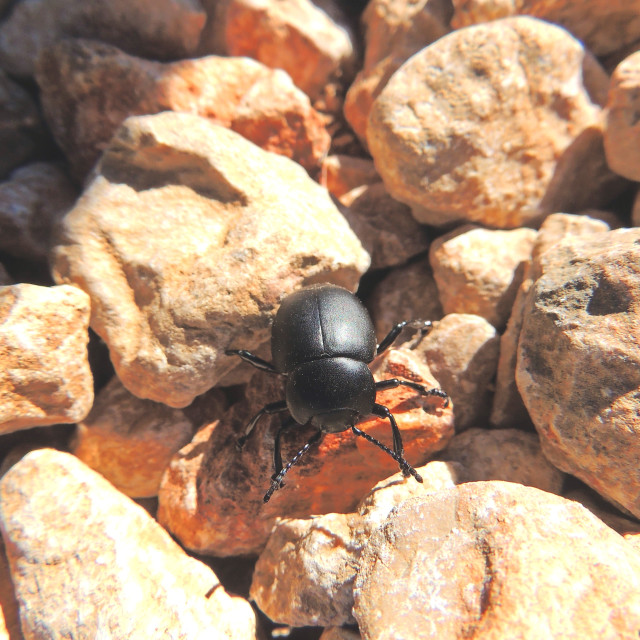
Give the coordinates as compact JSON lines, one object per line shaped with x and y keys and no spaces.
{"x":322,"y":341}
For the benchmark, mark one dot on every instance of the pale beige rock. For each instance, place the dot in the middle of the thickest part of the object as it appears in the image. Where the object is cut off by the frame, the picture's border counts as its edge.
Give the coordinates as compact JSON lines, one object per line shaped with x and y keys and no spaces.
{"x":211,"y":494}
{"x":86,"y":561}
{"x":9,"y":614}
{"x":186,"y":240}
{"x":45,"y":376}
{"x":504,"y":137}
{"x":603,"y":25}
{"x":386,"y":228}
{"x":161,"y":29}
{"x":31,"y":200}
{"x":311,"y":41}
{"x":341,"y":174}
{"x":622,"y":131}
{"x":463,"y":350}
{"x":479,"y":271}
{"x":508,"y":409}
{"x":579,"y":361}
{"x":131,"y":441}
{"x":261,"y":104}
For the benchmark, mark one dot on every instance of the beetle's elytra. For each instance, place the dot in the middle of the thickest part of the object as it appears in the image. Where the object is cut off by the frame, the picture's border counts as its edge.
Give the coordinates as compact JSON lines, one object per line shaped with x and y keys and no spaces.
{"x":323,"y":340}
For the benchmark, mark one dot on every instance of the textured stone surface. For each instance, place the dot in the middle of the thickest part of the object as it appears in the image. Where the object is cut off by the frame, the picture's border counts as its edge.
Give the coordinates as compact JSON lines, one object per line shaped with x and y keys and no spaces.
{"x":479,"y":271}
{"x":186,"y":240}
{"x":31,"y":200}
{"x":9,"y":614}
{"x":45,"y":376}
{"x":162,"y":29}
{"x":66,"y":526}
{"x":261,"y":104}
{"x":211,"y":495}
{"x":491,"y":559}
{"x":622,"y":131}
{"x":505,"y":137}
{"x":341,"y":174}
{"x":339,"y":633}
{"x":578,"y":365}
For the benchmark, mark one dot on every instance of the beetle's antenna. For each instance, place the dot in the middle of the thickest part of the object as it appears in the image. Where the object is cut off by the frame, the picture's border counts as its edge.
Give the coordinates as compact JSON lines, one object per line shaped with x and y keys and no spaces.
{"x":406,"y":467}
{"x":276,"y":481}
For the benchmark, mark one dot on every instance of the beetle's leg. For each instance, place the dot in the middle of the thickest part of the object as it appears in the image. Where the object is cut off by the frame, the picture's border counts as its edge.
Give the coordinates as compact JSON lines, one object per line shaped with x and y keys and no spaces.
{"x":383,"y":412}
{"x":404,"y":465}
{"x":258,"y":363}
{"x":395,"y":382}
{"x":267,"y":410}
{"x":277,"y":456}
{"x":423,"y":326}
{"x":276,"y":483}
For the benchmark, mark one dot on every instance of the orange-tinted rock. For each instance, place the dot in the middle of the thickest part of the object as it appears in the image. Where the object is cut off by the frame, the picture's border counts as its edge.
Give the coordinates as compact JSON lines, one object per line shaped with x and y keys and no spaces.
{"x":341,"y":174}
{"x":9,"y":613}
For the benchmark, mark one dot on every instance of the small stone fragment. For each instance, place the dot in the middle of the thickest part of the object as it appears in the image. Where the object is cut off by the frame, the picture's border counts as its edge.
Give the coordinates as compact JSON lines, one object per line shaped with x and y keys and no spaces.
{"x":122,"y":573}
{"x":504,"y":137}
{"x":186,"y":240}
{"x":461,"y":562}
{"x":45,"y":376}
{"x":156,"y":29}
{"x":578,"y":365}
{"x":478,"y":271}
{"x":30,"y":202}
{"x":341,"y":174}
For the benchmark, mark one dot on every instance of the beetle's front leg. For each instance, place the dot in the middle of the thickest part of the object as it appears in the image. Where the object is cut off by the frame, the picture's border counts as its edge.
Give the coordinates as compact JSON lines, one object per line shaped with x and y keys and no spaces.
{"x":258,"y":363}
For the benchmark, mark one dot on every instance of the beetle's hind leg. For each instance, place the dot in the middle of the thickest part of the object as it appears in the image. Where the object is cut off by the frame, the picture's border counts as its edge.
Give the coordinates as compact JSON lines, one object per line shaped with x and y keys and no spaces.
{"x":277,"y":451}
{"x":423,"y":326}
{"x":267,"y":410}
{"x":258,"y":363}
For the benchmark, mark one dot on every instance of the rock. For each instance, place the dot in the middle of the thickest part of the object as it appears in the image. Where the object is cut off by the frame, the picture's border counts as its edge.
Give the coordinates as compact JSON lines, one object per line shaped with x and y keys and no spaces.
{"x":505,"y":137}
{"x":160,"y":29}
{"x":341,"y":174}
{"x":508,"y":409}
{"x":604,"y":26}
{"x":466,"y":559}
{"x":65,"y":525}
{"x":578,"y":365}
{"x":9,"y":613}
{"x":406,"y":293}
{"x":186,"y":240}
{"x":463,"y":350}
{"x":478,"y":271}
{"x":30,"y":202}
{"x":211,"y":495}
{"x":20,"y":125}
{"x":386,"y":228}
{"x":131,"y":441}
{"x":45,"y":377}
{"x":394,"y":31}
{"x":312,"y":42}
{"x":503,"y":454}
{"x":622,"y":132}
{"x":261,"y":104}
{"x":339,"y":633}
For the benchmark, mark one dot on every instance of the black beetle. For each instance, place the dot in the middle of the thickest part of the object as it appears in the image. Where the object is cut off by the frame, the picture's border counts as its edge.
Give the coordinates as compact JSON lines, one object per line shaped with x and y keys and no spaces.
{"x":322,"y":340}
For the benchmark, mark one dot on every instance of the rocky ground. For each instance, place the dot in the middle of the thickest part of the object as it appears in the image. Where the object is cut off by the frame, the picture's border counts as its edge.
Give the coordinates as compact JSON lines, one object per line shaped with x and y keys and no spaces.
{"x":171,"y":169}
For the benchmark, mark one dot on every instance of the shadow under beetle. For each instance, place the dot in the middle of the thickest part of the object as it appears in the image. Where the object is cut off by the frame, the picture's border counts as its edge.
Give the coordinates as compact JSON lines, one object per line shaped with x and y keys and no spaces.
{"x":322,"y":340}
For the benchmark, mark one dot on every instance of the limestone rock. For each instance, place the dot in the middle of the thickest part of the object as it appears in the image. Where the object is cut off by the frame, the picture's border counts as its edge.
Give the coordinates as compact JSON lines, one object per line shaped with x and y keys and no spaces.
{"x":45,"y":376}
{"x":622,"y":131}
{"x":161,"y":29}
{"x":30,"y":202}
{"x":479,"y":271}
{"x":261,"y":104}
{"x":462,"y":352}
{"x":65,"y":525}
{"x":131,"y":441}
{"x":311,"y":41}
{"x":578,"y":365}
{"x":341,"y":174}
{"x":504,"y":137}
{"x":461,"y":563}
{"x":186,"y":240}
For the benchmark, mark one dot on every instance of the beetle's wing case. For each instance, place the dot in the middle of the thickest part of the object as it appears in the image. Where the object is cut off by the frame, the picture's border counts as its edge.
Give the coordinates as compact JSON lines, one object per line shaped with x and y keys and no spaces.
{"x":321,"y":321}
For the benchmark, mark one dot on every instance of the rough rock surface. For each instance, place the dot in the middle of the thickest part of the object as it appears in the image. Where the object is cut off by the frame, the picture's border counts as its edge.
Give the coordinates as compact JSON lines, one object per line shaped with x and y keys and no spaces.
{"x":186,"y":240}
{"x":9,"y":614}
{"x":579,"y":361}
{"x":211,"y":495}
{"x":261,"y":104}
{"x":479,"y":271}
{"x":492,"y":560}
{"x":341,"y":173}
{"x":65,"y":525}
{"x":164,"y":29}
{"x":505,"y":137}
{"x":31,"y":200}
{"x":45,"y":376}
